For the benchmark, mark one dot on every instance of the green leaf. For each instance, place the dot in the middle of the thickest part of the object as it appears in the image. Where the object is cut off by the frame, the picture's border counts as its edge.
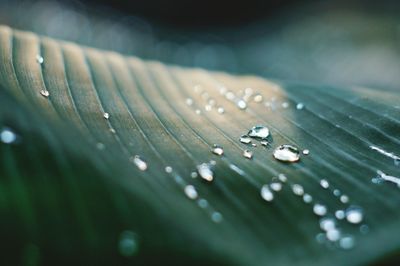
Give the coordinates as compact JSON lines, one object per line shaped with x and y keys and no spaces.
{"x":71,"y":193}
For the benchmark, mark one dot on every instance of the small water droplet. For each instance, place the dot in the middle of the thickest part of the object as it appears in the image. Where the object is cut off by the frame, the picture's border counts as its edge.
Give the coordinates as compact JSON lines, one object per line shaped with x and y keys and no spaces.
{"x":306,"y":152}
{"x":218,"y":150}
{"x":282,"y":178}
{"x":276,"y":186}
{"x":344,"y":199}
{"x":189,"y":101}
{"x":258,"y":98}
{"x":191,"y":192}
{"x":106,"y":115}
{"x":241,"y":104}
{"x":208,"y":107}
{"x":333,"y":235}
{"x":307,"y":198}
{"x":320,"y":238}
{"x":266,"y":193}
{"x":327,"y":224}
{"x":216,"y":217}
{"x":245,"y":139}
{"x":100,"y":146}
{"x":230,"y":95}
{"x":354,"y":215}
{"x":139,"y":162}
{"x":258,"y":132}
{"x":346,"y":242}
{"x":248,"y":91}
{"x":364,"y":229}
{"x":128,"y":244}
{"x":198,"y":112}
{"x":300,"y":106}
{"x":221,"y":110}
{"x":203,"y":203}
{"x":168,"y":169}
{"x":248,"y":154}
{"x":340,"y":214}
{"x":205,"y":172}
{"x":45,"y":93}
{"x":287,"y":153}
{"x":212,"y":162}
{"x":298,"y":190}
{"x":285,"y":104}
{"x":336,"y":192}
{"x":193,"y":174}
{"x":324,"y":183}
{"x":211,"y":102}
{"x":39,"y":59}
{"x":112,"y":130}
{"x":264,"y":143}
{"x":320,"y":209}
{"x":7,"y":136}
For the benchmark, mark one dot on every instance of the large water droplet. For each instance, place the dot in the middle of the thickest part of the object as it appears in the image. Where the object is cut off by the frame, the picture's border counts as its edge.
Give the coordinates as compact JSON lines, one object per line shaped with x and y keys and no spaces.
{"x":320,"y":209}
{"x":287,"y":153}
{"x":259,"y":132}
{"x":7,"y":136}
{"x":139,"y":162}
{"x":354,"y":215}
{"x":248,"y":154}
{"x":191,"y":192}
{"x":205,"y":172}
{"x":218,"y":150}
{"x":266,"y":193}
{"x":128,"y":243}
{"x":245,"y":139}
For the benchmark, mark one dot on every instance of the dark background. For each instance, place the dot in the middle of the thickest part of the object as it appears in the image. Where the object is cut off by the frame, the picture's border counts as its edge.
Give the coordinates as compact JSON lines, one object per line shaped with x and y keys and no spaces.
{"x":325,"y":42}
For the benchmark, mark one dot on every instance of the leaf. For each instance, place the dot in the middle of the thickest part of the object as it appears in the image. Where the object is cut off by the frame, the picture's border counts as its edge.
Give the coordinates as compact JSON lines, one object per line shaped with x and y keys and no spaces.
{"x":71,"y":193}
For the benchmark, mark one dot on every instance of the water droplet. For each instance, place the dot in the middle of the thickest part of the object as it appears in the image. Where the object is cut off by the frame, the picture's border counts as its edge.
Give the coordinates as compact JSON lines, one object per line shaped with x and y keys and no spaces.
{"x":7,"y":136}
{"x":266,"y":193}
{"x":324,"y":183}
{"x":327,"y":224}
{"x":212,"y":162}
{"x":45,"y":93}
{"x":218,"y":150}
{"x":230,"y":95}
{"x":264,"y":143}
{"x":39,"y":59}
{"x":298,"y":190}
{"x":198,"y":112}
{"x":216,"y":217}
{"x":346,"y":242}
{"x":287,"y":153}
{"x":299,"y":106}
{"x":340,"y":214}
{"x":193,"y":174}
{"x":211,"y":102}
{"x":191,"y":192}
{"x":248,"y":91}
{"x":221,"y":110}
{"x":259,"y":132}
{"x":208,"y":107}
{"x":241,"y":104}
{"x":128,"y":243}
{"x":189,"y":101}
{"x":142,"y":165}
{"x":285,"y":104}
{"x":100,"y":146}
{"x":333,"y":235}
{"x":106,"y":115}
{"x":203,"y":203}
{"x":168,"y":169}
{"x":320,"y":238}
{"x":344,"y":199}
{"x":245,"y":139}
{"x":337,"y":192}
{"x":320,"y":209}
{"x":248,"y":154}
{"x":258,"y":98}
{"x":306,"y":152}
{"x":282,"y":178}
{"x":354,"y":215}
{"x":364,"y":229}
{"x":205,"y":172}
{"x":307,"y":198}
{"x":276,"y":186}
{"x":112,"y":130}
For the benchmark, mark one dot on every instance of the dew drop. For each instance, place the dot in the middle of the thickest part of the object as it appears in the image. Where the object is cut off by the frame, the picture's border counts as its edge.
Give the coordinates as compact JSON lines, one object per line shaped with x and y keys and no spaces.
{"x":276,"y":186}
{"x":336,"y":192}
{"x":306,"y":152}
{"x":320,"y":209}
{"x":7,"y":136}
{"x":287,"y":153}
{"x":193,"y":174}
{"x":327,"y":224}
{"x":248,"y":154}
{"x":230,"y":95}
{"x":282,"y":178}
{"x":354,"y":215}
{"x":258,"y":98}
{"x":298,"y":190}
{"x":333,"y":235}
{"x":128,"y":244}
{"x":203,"y":203}
{"x":168,"y":169}
{"x":344,"y":199}
{"x":266,"y":193}
{"x":142,"y":165}
{"x":205,"y":172}
{"x":340,"y":214}
{"x":346,"y":242}
{"x":191,"y":192}
{"x":45,"y":93}
{"x":241,"y":104}
{"x":307,"y":198}
{"x":218,"y":150}
{"x":324,"y":183}
{"x":106,"y":115}
{"x":245,"y":139}
{"x":248,"y":91}
{"x":39,"y":59}
{"x":221,"y":110}
{"x":216,"y":217}
{"x":189,"y":101}
{"x":258,"y":132}
{"x":299,"y":106}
